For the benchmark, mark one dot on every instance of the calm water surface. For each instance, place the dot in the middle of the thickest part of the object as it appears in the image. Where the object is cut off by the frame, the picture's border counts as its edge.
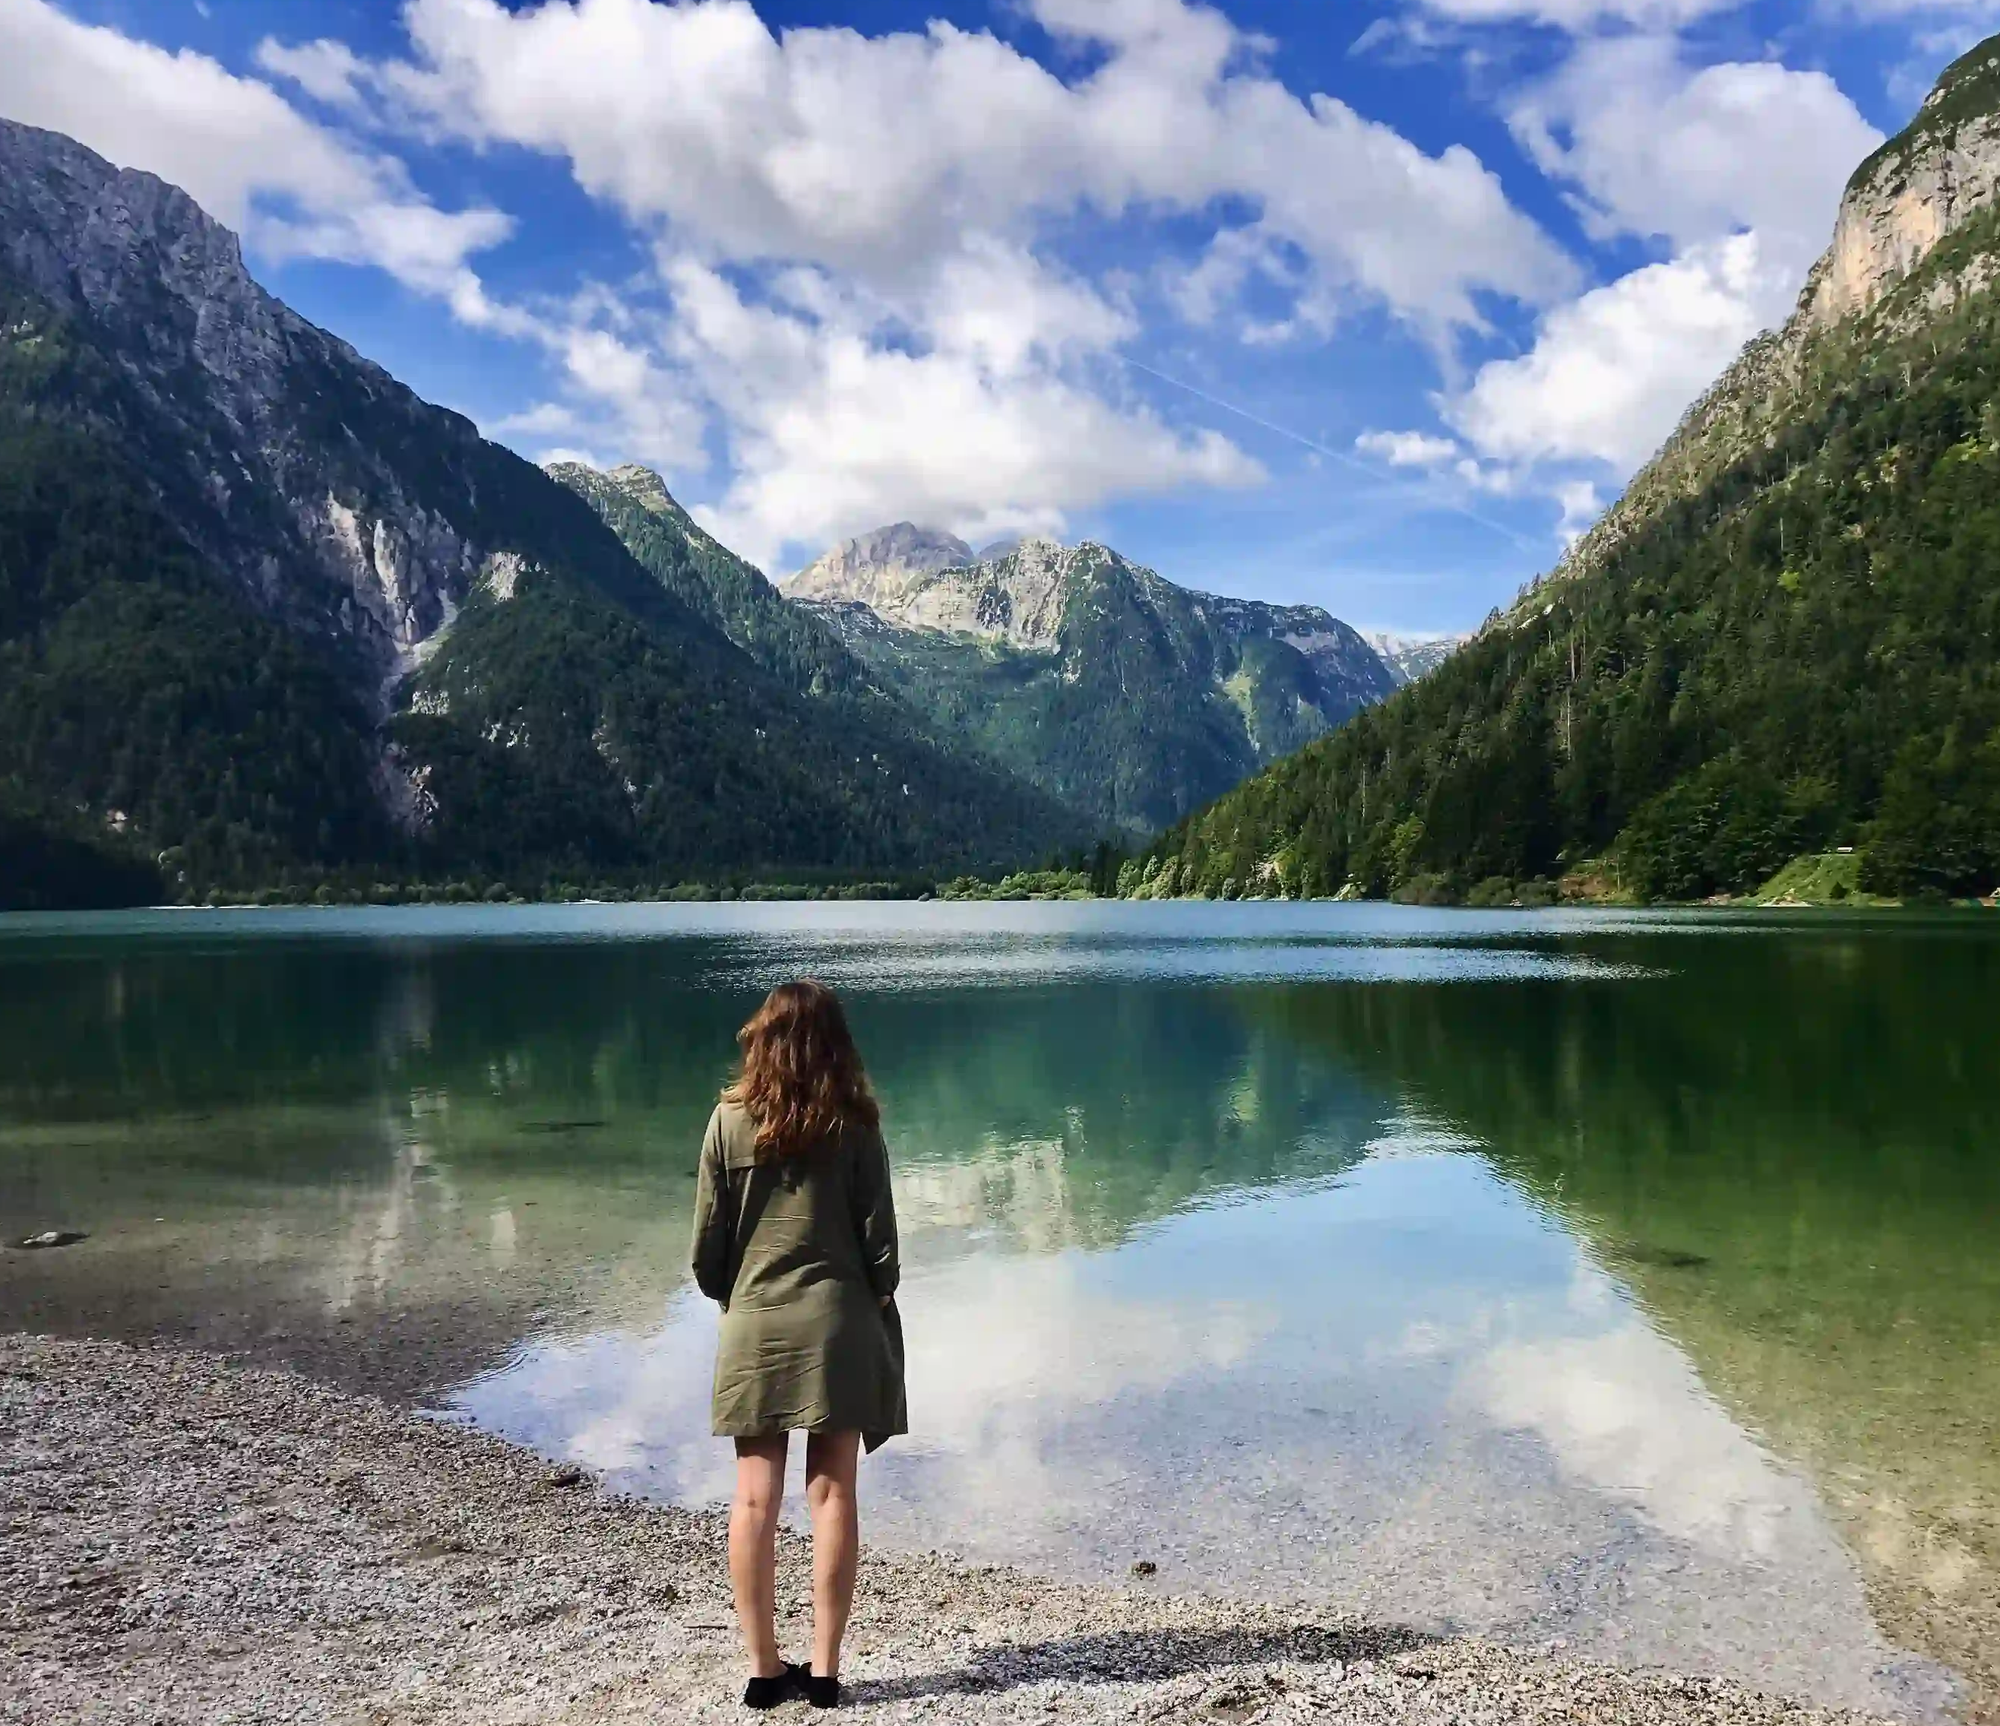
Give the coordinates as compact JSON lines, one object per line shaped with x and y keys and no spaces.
{"x":1629,"y":1280}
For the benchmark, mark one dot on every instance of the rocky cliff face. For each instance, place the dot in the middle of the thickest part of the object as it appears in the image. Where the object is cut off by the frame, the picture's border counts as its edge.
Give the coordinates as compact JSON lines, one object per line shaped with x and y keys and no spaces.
{"x":1018,"y":597}
{"x":1892,"y":266}
{"x":884,"y":569}
{"x":1020,"y":592}
{"x":1126,"y":695}
{"x":241,"y":401}
{"x":1931,"y":179}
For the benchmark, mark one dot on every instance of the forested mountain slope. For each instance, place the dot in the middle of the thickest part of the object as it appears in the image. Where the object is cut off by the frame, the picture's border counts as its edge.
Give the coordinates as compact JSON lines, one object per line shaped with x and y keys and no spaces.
{"x":1782,"y":639}
{"x":845,"y":702}
{"x":710,"y":579}
{"x":1128,"y":697}
{"x":265,"y":614}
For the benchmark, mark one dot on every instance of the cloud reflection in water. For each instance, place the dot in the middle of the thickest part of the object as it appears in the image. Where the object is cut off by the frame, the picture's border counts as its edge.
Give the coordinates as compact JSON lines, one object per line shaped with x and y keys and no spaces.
{"x":1406,"y":1391}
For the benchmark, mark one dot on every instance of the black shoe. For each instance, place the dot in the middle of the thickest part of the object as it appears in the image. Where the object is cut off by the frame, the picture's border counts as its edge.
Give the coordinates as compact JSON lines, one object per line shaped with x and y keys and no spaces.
{"x":820,"y":1692}
{"x":772,"y":1692}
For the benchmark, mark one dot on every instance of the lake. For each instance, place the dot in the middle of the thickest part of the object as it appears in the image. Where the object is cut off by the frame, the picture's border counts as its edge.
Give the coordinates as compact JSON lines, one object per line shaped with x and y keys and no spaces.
{"x":1625,"y":1280}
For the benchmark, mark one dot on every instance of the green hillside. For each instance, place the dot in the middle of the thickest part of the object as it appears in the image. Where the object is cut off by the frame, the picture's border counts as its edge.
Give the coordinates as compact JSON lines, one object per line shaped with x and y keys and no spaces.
{"x":1789,"y":648}
{"x":1143,"y":701}
{"x":953,"y":793}
{"x":712,"y":580}
{"x":386,"y":650}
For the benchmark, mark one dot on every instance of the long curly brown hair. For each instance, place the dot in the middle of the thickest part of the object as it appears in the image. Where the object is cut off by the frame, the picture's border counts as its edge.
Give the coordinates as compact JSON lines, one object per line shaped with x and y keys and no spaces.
{"x":801,"y":1079}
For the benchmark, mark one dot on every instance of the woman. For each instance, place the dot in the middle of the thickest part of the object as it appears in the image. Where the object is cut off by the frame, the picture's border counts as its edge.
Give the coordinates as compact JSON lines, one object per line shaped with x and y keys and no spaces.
{"x":795,"y":1234}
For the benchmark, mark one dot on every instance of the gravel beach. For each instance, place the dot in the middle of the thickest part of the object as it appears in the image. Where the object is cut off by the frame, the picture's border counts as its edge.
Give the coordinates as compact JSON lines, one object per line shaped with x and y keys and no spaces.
{"x":182,"y":1539}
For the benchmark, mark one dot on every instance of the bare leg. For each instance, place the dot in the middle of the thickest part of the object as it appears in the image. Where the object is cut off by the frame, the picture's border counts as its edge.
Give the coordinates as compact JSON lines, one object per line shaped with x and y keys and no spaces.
{"x":753,"y":1548}
{"x":831,"y":1461}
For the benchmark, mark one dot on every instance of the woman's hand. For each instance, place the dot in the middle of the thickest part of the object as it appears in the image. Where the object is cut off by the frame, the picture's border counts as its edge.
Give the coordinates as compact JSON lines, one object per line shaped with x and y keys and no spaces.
{"x":886,"y":1299}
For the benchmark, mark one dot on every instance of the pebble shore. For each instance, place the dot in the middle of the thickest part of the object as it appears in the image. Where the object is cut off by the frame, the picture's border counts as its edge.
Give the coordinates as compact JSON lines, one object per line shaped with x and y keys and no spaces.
{"x":186,"y":1540}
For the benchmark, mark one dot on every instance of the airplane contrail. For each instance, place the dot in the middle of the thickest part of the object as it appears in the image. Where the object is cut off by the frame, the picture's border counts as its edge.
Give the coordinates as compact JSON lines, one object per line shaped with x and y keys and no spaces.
{"x":1369,"y":468}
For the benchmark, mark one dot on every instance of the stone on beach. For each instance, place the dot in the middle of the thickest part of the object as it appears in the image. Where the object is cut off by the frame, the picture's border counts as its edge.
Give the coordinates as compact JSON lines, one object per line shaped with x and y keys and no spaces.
{"x":188,"y":1541}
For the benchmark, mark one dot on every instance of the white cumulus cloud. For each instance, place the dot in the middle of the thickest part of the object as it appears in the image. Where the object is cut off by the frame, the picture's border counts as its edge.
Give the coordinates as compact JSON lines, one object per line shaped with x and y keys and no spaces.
{"x":875,"y":156}
{"x":327,"y":71}
{"x":1406,"y":448}
{"x":833,"y":432}
{"x":1659,"y":149}
{"x":1737,"y":168}
{"x":1611,"y":372}
{"x":1579,"y":15}
{"x":859,"y":281}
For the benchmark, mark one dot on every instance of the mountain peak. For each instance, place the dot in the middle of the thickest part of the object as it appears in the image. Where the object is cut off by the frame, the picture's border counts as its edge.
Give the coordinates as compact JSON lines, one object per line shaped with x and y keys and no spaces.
{"x":1923,"y":184}
{"x":922,"y":578}
{"x":1095,"y":677}
{"x":643,"y":485}
{"x":631,"y":480}
{"x":1888,"y":273}
{"x":881,"y":569}
{"x":906,"y":545}
{"x":230,"y":381}
{"x":77,"y":222}
{"x":161,"y":274}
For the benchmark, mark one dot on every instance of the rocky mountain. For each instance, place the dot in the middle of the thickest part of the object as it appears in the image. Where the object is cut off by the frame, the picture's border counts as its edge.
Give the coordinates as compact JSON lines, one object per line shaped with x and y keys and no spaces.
{"x":882,"y":569}
{"x":808,"y":655}
{"x":1410,"y":657}
{"x":1783,"y":639}
{"x":1913,"y":240}
{"x":1128,"y":697}
{"x":228,"y":396}
{"x":264,"y":613}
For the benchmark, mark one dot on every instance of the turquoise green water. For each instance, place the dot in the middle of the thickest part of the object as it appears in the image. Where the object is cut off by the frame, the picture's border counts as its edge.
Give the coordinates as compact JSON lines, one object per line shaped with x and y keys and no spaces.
{"x":1619,"y":1279}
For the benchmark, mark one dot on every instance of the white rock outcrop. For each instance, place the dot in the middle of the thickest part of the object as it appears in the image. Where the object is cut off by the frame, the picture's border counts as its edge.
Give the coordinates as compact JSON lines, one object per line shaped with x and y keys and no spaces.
{"x":1908,"y":198}
{"x":1941,"y":173}
{"x":881,"y":570}
{"x":910,"y":578}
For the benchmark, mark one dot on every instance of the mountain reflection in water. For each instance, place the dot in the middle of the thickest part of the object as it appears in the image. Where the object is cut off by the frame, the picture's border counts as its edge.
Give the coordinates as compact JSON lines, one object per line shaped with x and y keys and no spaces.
{"x":1621,"y":1279}
{"x":1786,"y":1152}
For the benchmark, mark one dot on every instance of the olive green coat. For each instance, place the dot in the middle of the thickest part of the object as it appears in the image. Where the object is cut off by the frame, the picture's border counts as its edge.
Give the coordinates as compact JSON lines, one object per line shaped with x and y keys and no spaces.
{"x":801,"y":1252}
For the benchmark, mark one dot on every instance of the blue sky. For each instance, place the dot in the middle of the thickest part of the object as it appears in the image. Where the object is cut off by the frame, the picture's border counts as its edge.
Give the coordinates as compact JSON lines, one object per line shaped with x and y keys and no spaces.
{"x":1363,"y":304}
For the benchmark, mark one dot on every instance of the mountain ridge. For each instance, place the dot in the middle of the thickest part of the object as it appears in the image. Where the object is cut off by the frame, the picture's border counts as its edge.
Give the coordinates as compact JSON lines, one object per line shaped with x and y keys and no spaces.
{"x":1123,"y":693}
{"x":266,"y":614}
{"x":1780,"y":640}
{"x":1918,"y":189}
{"x":793,"y":644}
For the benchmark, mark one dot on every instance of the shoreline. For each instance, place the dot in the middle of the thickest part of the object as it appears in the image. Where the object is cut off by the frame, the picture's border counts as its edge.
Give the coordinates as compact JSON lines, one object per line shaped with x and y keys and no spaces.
{"x":1737,"y":906}
{"x":191,"y":1540}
